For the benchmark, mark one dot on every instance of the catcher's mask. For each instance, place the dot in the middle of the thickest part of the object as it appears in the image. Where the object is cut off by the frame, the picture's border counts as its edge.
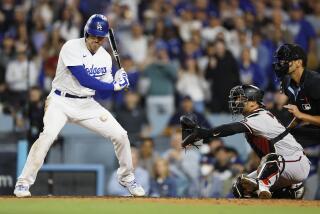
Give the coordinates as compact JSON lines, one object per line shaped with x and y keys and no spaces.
{"x":241,"y":94}
{"x":284,"y":55}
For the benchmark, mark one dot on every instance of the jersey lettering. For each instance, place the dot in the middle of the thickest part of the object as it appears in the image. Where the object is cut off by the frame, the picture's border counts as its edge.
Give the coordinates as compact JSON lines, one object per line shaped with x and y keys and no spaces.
{"x":96,"y":71}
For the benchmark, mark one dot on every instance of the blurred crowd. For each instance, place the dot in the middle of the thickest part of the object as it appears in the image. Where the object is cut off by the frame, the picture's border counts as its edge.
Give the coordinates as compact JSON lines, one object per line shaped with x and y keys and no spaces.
{"x":181,"y":56}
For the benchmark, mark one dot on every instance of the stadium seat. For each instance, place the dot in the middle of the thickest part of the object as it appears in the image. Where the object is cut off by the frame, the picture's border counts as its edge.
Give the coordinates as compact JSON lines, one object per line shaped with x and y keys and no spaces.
{"x":6,"y":123}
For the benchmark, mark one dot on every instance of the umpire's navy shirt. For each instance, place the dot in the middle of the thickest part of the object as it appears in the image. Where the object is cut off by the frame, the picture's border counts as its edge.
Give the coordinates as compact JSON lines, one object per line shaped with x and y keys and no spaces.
{"x":306,"y":96}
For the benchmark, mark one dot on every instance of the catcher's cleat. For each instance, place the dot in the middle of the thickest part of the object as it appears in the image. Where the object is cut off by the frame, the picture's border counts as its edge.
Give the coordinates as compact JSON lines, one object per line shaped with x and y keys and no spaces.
{"x":249,"y":185}
{"x":134,"y":188}
{"x":22,"y":191}
{"x":264,"y":194}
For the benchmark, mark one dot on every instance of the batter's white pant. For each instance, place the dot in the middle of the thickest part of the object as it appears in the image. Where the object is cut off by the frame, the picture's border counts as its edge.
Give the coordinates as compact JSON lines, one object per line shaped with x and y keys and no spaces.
{"x":297,"y":167}
{"x":87,"y":113}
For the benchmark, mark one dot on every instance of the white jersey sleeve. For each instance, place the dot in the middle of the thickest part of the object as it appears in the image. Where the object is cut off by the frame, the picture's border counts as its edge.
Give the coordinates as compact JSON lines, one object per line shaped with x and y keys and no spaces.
{"x":71,"y":54}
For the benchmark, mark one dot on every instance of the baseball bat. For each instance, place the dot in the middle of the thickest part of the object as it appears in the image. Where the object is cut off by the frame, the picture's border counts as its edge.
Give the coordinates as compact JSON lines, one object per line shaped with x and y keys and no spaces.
{"x":114,"y":48}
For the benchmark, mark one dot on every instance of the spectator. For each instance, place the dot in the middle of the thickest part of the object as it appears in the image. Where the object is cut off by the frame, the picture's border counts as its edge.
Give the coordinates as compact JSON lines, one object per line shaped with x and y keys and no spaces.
{"x":302,"y":31}
{"x":7,"y":53}
{"x":229,"y":9}
{"x":173,"y":43}
{"x":191,"y":83}
{"x":20,"y":75}
{"x":215,"y":176}
{"x":7,"y":15}
{"x":69,"y":25}
{"x":236,"y":164}
{"x":250,"y":72}
{"x":186,"y":108}
{"x":162,"y":183}
{"x":223,"y":73}
{"x":204,"y":186}
{"x":147,"y":155}
{"x":133,"y":118}
{"x":191,"y":49}
{"x":136,"y":45}
{"x":261,"y":14}
{"x":34,"y":113}
{"x":258,"y":53}
{"x":187,"y":24}
{"x":49,"y":54}
{"x":45,"y":11}
{"x":209,"y":33}
{"x":142,"y":176}
{"x":183,"y":165}
{"x":277,"y":5}
{"x":314,"y":20}
{"x":39,"y":35}
{"x":161,"y":77}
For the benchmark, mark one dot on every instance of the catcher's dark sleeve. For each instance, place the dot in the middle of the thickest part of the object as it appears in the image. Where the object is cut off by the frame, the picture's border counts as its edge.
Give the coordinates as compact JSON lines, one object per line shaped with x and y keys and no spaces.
{"x":224,"y":130}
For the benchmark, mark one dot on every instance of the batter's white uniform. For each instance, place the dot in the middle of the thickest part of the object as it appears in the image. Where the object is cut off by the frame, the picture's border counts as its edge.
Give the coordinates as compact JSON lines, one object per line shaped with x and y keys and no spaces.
{"x":85,"y":112}
{"x":263,"y":127}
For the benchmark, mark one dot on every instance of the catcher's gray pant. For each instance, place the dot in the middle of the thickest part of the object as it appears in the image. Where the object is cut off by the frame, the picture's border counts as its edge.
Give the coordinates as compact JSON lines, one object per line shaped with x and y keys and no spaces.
{"x":297,"y":167}
{"x":87,"y":113}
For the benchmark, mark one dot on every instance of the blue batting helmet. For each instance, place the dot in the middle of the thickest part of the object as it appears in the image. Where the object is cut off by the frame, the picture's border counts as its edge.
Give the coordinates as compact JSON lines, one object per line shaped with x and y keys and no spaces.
{"x":97,"y":25}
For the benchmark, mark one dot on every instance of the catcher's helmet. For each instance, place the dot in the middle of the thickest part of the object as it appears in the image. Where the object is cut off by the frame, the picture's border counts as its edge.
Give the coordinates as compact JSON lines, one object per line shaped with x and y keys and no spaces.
{"x":244,"y":93}
{"x":285,"y":54}
{"x":97,"y":25}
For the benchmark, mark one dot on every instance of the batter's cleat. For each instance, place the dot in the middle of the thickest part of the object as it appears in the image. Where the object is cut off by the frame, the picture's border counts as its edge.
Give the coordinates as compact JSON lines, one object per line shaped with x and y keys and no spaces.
{"x":22,"y":191}
{"x":249,"y":185}
{"x":134,"y":188}
{"x":264,"y":194}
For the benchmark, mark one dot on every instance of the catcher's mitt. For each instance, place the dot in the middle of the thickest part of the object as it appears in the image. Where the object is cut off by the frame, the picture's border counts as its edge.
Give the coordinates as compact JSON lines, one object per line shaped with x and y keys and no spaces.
{"x":191,"y":131}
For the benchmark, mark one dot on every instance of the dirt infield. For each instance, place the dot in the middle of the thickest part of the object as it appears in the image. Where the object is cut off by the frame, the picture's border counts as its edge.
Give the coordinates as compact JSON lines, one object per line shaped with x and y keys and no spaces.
{"x":206,"y":201}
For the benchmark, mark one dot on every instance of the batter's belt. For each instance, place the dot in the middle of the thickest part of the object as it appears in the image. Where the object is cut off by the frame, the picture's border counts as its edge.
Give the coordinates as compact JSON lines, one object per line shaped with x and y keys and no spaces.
{"x":60,"y":93}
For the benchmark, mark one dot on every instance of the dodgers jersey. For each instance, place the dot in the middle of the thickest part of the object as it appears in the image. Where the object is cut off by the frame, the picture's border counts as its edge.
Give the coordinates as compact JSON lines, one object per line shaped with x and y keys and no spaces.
{"x":74,"y":53}
{"x":264,"y":126}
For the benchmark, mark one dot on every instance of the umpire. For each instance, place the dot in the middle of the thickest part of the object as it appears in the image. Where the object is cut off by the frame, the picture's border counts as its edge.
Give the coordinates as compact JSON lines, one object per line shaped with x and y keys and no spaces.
{"x":302,"y":86}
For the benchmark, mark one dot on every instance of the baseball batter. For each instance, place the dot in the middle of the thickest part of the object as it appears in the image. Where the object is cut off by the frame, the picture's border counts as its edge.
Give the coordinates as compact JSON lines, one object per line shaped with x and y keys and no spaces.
{"x":283,"y":165}
{"x":84,"y":66}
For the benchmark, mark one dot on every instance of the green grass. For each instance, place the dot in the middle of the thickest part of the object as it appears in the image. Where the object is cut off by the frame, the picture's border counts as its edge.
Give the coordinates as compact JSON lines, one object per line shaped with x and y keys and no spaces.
{"x":131,"y":206}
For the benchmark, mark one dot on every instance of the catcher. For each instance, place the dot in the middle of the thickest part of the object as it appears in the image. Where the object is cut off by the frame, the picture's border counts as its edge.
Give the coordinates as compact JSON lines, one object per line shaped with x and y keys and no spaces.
{"x":283,"y":164}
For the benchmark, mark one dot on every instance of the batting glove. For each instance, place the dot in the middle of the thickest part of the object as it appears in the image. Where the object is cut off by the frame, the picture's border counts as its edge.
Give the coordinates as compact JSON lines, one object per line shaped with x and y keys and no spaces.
{"x":119,"y":73}
{"x":122,"y":82}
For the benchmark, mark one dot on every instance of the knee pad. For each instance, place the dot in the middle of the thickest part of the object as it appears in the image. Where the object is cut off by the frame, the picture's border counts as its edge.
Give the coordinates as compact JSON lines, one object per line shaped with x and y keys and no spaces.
{"x":271,"y":165}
